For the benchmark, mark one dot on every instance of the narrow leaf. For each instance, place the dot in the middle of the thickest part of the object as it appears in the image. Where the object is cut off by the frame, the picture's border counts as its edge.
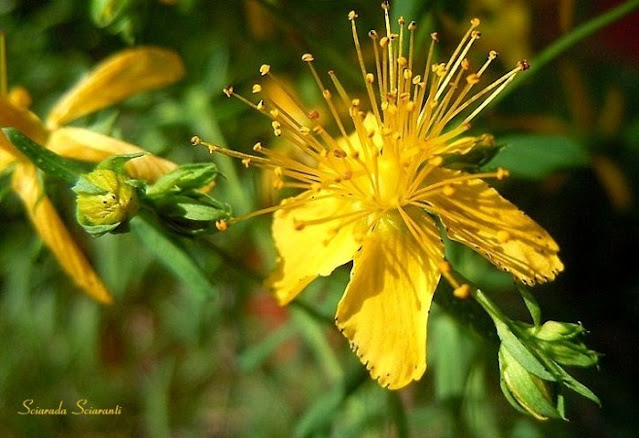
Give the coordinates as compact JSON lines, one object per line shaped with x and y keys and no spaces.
{"x":531,"y":304}
{"x":43,"y":158}
{"x":173,"y":257}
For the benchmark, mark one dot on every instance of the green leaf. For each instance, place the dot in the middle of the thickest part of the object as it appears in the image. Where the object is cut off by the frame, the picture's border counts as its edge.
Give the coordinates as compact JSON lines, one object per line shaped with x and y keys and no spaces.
{"x":572,"y":383}
{"x":173,"y":257}
{"x":531,"y":304}
{"x":536,"y":156}
{"x":47,"y":161}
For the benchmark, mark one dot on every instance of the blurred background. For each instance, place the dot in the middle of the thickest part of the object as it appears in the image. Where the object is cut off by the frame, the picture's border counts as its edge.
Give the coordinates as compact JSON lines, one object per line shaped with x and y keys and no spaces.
{"x":238,"y":365}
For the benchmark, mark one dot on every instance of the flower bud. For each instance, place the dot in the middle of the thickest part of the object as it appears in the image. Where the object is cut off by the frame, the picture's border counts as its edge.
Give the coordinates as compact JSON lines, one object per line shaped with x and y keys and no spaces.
{"x":560,"y":341}
{"x":525,"y":391}
{"x":104,"y":199}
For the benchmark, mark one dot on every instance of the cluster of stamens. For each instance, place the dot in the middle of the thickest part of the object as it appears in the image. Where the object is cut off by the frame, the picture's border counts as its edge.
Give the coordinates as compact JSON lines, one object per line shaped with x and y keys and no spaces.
{"x":383,"y":161}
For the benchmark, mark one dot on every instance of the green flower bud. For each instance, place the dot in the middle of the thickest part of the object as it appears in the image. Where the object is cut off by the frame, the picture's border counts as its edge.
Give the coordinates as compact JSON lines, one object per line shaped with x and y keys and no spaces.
{"x":525,"y":391}
{"x":560,"y":341}
{"x":104,"y":200}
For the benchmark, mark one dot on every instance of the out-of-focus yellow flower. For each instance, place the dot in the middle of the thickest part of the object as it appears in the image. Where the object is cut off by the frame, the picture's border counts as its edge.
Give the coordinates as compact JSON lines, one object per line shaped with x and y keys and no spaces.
{"x":371,"y":196}
{"x":123,"y":75}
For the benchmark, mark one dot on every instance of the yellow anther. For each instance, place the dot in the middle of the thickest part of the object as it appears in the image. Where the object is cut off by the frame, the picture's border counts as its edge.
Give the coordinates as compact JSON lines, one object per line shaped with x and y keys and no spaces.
{"x":402,"y":61}
{"x":465,"y":64}
{"x":327,"y":94}
{"x":275,"y":113}
{"x":221,"y":225}
{"x":407,"y":73}
{"x":339,"y":153}
{"x":257,"y":147}
{"x":386,"y":5}
{"x":256,"y":88}
{"x":352,"y":15}
{"x":502,"y":173}
{"x":444,"y":267}
{"x":196,"y":140}
{"x":278,"y":171}
{"x":472,"y":78}
{"x":401,"y":21}
{"x":228,"y":91}
{"x":246,"y":162}
{"x":448,"y":190}
{"x":265,"y":69}
{"x":475,"y":22}
{"x":373,"y":34}
{"x":417,"y":79}
{"x":503,"y":236}
{"x":383,"y":41}
{"x":276,"y":125}
{"x":304,"y":130}
{"x":355,"y":103}
{"x":370,"y":78}
{"x":462,"y":291}
{"x":410,"y":106}
{"x":412,"y":25}
{"x":278,"y":184}
{"x":260,"y":105}
{"x":307,"y":57}
{"x":435,"y":36}
{"x":523,"y":65}
{"x":20,"y":97}
{"x":299,"y":225}
{"x":475,"y":34}
{"x":492,"y":54}
{"x":277,"y":132}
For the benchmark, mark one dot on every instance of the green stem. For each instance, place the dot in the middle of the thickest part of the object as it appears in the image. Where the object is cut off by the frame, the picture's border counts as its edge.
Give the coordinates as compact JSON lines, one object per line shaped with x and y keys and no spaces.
{"x":568,"y":40}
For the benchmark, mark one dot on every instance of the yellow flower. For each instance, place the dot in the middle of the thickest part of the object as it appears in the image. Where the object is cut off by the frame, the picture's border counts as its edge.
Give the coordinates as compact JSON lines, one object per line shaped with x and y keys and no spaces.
{"x":373,"y":196}
{"x":123,"y":75}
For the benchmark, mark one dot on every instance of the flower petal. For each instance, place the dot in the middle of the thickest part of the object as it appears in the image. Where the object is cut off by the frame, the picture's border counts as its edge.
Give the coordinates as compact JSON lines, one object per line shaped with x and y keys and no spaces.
{"x":314,"y":249}
{"x":385,"y":308}
{"x":477,"y":216}
{"x":82,"y":144}
{"x":126,"y":73}
{"x":54,"y":234}
{"x":23,"y":120}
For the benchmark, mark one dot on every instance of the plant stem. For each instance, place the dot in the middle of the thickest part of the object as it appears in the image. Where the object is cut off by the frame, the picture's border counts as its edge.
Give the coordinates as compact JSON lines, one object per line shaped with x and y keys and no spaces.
{"x":568,"y":40}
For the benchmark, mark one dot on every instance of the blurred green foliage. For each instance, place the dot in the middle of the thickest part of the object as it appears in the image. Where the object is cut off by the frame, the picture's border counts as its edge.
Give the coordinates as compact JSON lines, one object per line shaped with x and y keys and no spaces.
{"x":180,"y":364}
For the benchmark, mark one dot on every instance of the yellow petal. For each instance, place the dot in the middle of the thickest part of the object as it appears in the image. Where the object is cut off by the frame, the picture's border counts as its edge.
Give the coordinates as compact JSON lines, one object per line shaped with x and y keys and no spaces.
{"x":54,"y":234}
{"x":314,"y":249}
{"x":385,"y":308}
{"x":127,"y":73}
{"x":8,"y":152}
{"x":23,"y":120}
{"x":6,"y":158}
{"x":477,"y":216}
{"x":85,"y":145}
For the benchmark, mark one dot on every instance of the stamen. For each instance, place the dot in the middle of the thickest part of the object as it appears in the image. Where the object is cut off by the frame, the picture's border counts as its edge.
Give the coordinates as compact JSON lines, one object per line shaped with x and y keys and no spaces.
{"x":3,"y":64}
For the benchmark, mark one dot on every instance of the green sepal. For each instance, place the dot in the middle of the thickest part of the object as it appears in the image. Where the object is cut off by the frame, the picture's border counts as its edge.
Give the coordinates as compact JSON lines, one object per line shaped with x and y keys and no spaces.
{"x":117,"y":162}
{"x":47,"y":161}
{"x":186,"y":177}
{"x":473,"y":160}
